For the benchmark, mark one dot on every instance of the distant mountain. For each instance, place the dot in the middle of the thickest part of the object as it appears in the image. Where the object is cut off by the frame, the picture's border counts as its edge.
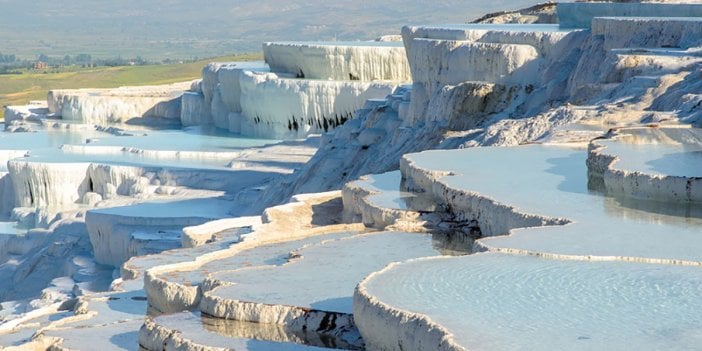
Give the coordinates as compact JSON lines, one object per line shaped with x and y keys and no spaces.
{"x":180,"y":28}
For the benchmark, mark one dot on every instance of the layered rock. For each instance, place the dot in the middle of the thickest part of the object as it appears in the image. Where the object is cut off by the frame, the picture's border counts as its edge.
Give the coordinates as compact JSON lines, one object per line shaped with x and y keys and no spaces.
{"x":103,"y":106}
{"x":282,"y":108}
{"x":244,"y":98}
{"x":364,"y":61}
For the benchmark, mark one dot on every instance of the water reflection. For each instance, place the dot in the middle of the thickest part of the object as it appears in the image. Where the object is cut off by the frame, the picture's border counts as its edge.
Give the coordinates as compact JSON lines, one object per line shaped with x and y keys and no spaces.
{"x":277,"y":333}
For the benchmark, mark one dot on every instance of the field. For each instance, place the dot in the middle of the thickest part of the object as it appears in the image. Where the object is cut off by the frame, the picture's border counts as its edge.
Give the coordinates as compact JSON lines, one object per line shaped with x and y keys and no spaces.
{"x":18,"y":89}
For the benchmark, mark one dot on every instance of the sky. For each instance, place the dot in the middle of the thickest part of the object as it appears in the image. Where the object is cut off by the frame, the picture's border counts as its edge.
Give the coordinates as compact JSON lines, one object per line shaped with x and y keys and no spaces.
{"x":174,"y":27}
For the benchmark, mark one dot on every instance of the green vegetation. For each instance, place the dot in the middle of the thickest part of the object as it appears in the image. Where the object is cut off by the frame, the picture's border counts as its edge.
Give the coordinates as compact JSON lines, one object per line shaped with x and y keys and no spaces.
{"x":18,"y":89}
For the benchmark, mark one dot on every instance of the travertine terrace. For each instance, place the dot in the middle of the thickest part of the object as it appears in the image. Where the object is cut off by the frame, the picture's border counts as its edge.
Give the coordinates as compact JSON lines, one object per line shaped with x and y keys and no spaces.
{"x":528,"y":182}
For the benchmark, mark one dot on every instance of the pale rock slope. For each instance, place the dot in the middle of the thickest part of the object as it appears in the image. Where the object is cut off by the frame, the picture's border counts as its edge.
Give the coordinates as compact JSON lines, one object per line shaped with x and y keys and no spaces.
{"x":537,"y":213}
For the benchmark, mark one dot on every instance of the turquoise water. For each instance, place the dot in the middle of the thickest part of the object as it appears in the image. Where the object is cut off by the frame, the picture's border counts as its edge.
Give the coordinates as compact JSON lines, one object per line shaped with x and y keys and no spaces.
{"x":188,"y":139}
{"x":389,"y":194}
{"x":325,"y":274}
{"x":11,"y":228}
{"x":671,"y":151}
{"x":552,"y":181}
{"x":502,"y":302}
{"x":187,"y":148}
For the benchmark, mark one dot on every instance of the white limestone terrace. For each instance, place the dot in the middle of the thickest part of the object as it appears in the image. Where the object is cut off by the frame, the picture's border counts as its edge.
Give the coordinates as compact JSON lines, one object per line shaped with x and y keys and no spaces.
{"x":378,"y":201}
{"x":354,"y":60}
{"x":176,"y":287}
{"x":194,"y":236}
{"x":580,"y":274}
{"x":494,"y":301}
{"x":56,"y":179}
{"x":649,"y":32}
{"x":186,"y":280}
{"x":660,"y":164}
{"x":113,"y":318}
{"x":101,"y":106}
{"x":245,"y":98}
{"x":630,"y":63}
{"x":581,"y":14}
{"x":216,"y":98}
{"x":154,"y":161}
{"x":313,"y":87}
{"x":563,"y":88}
{"x":49,"y":183}
{"x":285,"y":108}
{"x":512,"y":59}
{"x":543,"y":37}
{"x":308,"y":292}
{"x":573,"y":86}
{"x":116,"y":232}
{"x":106,"y":321}
{"x":557,"y":215}
{"x":34,"y":111}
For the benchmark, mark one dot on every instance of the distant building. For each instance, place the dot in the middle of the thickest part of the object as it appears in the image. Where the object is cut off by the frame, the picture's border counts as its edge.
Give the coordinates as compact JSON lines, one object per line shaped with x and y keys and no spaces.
{"x":39,"y":65}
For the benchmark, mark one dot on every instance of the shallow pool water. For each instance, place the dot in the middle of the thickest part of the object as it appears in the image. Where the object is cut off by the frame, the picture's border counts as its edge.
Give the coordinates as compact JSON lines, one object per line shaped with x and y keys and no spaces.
{"x":187,"y":148}
{"x":503,"y":302}
{"x":324,"y":275}
{"x":228,"y":334}
{"x":187,"y":139}
{"x":269,"y":254}
{"x":205,"y":208}
{"x":388,"y":193}
{"x":669,"y":151}
{"x":552,"y":181}
{"x":47,"y":138}
{"x":12,"y":228}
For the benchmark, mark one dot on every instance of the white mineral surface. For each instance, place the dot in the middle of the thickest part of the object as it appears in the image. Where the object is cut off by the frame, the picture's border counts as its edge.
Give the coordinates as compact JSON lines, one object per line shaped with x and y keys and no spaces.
{"x":587,"y":200}
{"x":493,"y":301}
{"x":365,"y":61}
{"x":593,"y":228}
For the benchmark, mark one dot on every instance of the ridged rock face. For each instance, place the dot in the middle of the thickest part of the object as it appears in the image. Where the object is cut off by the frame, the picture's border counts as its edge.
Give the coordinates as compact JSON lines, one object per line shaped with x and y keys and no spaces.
{"x":448,"y":62}
{"x":364,"y":61}
{"x":54,"y":185}
{"x":220,"y":94}
{"x":103,"y":106}
{"x":333,"y":80}
{"x":193,"y":109}
{"x":620,"y":32}
{"x":440,"y":69}
{"x":467,"y":105}
{"x":276,"y":107}
{"x":545,"y":38}
{"x":685,"y":97}
{"x":32,"y":112}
